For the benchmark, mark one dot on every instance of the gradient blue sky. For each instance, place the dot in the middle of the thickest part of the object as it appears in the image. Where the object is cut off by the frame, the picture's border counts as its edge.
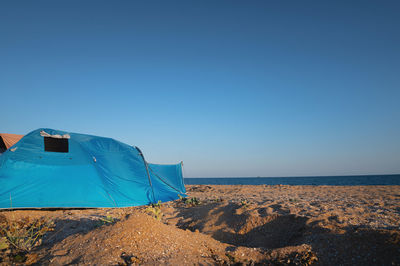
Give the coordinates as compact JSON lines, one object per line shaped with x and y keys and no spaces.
{"x":232,"y":88}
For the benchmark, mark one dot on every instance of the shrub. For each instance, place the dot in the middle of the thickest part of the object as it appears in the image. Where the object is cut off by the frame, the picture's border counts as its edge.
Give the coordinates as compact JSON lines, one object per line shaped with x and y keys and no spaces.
{"x":155,"y":210}
{"x":192,"y":201}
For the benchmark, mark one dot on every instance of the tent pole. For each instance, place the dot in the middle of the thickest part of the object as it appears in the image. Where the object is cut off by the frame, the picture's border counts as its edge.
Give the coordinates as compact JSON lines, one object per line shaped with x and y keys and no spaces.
{"x":148,"y":174}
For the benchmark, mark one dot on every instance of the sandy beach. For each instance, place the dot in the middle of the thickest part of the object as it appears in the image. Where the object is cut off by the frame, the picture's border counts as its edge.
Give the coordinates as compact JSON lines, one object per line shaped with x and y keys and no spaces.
{"x":225,"y":225}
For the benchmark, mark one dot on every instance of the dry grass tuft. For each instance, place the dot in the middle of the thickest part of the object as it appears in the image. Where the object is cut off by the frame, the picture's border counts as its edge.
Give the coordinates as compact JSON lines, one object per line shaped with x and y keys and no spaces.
{"x":23,"y":234}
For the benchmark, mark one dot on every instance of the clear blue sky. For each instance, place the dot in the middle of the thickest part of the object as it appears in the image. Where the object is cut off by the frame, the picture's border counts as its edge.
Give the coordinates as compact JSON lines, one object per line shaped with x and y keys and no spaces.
{"x":232,"y":88}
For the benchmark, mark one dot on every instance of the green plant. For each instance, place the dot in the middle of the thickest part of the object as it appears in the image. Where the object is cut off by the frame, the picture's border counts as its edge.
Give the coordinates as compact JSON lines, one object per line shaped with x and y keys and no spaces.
{"x":23,"y":234}
{"x":3,"y":243}
{"x":189,"y":201}
{"x":192,"y":201}
{"x":245,"y":203}
{"x":155,"y":210}
{"x":157,"y":205}
{"x":106,"y":220}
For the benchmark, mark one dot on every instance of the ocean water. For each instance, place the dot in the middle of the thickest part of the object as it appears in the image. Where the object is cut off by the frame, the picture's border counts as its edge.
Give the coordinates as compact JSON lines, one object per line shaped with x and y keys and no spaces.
{"x":359,"y":180}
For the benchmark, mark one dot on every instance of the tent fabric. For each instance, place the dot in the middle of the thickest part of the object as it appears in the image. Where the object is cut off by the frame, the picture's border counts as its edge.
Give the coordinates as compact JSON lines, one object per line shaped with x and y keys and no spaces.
{"x":9,"y":139}
{"x":95,"y":172}
{"x":163,"y":175}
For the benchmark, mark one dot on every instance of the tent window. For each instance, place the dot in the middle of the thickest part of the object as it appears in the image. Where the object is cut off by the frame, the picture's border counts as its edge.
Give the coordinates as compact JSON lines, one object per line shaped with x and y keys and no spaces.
{"x":55,"y":144}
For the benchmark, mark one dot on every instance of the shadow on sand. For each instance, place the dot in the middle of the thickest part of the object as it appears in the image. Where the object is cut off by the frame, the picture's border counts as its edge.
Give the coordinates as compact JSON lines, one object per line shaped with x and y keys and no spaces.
{"x":236,"y":225}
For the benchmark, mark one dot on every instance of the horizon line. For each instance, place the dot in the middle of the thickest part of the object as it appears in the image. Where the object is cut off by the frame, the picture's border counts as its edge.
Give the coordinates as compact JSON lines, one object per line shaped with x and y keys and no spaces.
{"x":295,"y":176}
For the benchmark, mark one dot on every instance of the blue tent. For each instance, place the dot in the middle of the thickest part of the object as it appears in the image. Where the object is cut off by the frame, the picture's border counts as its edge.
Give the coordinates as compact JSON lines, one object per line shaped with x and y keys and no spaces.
{"x":52,"y":168}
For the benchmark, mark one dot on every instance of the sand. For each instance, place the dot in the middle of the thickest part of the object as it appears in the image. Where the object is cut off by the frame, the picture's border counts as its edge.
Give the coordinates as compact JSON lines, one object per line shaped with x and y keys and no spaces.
{"x":267,"y":225}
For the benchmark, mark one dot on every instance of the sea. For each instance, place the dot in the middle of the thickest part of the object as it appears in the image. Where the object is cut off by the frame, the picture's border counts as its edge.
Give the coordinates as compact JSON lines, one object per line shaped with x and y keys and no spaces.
{"x":352,"y":180}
